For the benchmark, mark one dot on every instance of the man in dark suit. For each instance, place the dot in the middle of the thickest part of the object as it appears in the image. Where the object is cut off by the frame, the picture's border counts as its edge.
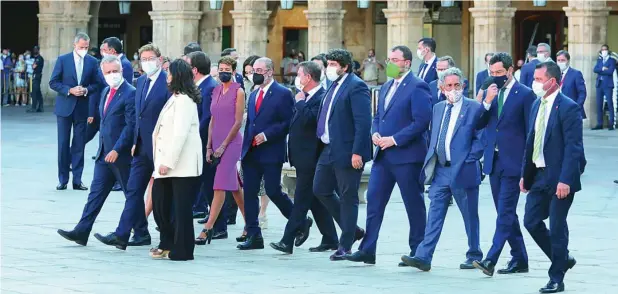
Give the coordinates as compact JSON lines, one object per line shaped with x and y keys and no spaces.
{"x":505,"y":120}
{"x":426,"y":52}
{"x":113,"y":160}
{"x":37,"y":68}
{"x":237,"y":78}
{"x":150,"y":96}
{"x":527,"y":71}
{"x":604,"y":69}
{"x":482,"y":75}
{"x":572,"y":83}
{"x":399,"y":127}
{"x":303,"y":154}
{"x":344,"y":127}
{"x":76,"y":80}
{"x":444,"y":63}
{"x":320,"y":60}
{"x":551,"y":171}
{"x":192,"y":47}
{"x":269,"y":113}
{"x":452,"y":171}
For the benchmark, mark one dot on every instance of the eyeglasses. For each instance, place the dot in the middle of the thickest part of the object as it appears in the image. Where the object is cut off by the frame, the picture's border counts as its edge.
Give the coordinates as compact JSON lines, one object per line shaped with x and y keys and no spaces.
{"x":148,"y":59}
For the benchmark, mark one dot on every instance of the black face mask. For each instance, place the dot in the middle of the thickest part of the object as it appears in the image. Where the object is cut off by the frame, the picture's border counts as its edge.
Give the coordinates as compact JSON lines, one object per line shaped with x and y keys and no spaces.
{"x":225,"y":77}
{"x":500,"y":81}
{"x":258,"y":79}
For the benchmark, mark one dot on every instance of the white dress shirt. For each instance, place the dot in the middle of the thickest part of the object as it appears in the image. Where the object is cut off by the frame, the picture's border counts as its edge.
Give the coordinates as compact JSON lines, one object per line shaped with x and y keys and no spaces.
{"x":79,"y":70}
{"x":326,"y":136}
{"x":153,"y":78}
{"x":393,"y":89}
{"x":451,"y":126}
{"x":312,"y":93}
{"x":540,"y":162}
{"x":507,"y":90}
{"x":427,"y":67}
{"x":564,"y":73}
{"x":200,"y":81}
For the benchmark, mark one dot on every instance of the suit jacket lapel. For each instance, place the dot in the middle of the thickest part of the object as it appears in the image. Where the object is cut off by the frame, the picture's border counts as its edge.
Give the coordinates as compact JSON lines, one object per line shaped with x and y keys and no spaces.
{"x":382,"y":97}
{"x":102,"y":101}
{"x":251,"y":105}
{"x":161,"y":80}
{"x":399,"y":90}
{"x":340,"y":92}
{"x":462,"y":115}
{"x":510,"y":99}
{"x":311,"y":101}
{"x":73,"y":66}
{"x":115,"y":99}
{"x":437,"y":123}
{"x":552,"y":118}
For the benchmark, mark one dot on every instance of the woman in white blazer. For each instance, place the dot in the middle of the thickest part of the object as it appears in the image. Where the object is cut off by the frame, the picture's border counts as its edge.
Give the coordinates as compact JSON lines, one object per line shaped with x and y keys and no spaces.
{"x":177,"y":150}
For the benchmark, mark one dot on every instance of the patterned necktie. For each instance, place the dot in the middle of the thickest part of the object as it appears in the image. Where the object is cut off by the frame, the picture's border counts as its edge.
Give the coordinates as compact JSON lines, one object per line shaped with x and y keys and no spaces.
{"x":539,"y":131}
{"x":500,"y":101}
{"x":422,"y":72}
{"x":112,"y":92}
{"x":80,"y":70}
{"x":322,"y":119}
{"x":145,"y":89}
{"x":442,"y":136}
{"x":390,"y":94}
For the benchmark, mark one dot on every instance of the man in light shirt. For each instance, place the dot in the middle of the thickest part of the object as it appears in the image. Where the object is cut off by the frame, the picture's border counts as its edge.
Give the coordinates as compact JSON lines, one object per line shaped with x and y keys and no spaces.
{"x":370,"y":68}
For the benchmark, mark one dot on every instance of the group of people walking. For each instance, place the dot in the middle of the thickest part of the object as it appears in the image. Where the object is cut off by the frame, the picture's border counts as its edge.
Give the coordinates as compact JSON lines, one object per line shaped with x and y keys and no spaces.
{"x":183,"y":129}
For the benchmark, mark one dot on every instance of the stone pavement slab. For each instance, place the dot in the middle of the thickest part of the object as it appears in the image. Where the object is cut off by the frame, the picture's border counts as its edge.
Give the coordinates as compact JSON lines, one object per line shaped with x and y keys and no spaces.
{"x":34,"y":259}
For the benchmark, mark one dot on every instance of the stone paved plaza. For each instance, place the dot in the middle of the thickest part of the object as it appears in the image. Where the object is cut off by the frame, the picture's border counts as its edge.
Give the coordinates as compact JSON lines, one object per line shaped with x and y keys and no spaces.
{"x":37,"y":260}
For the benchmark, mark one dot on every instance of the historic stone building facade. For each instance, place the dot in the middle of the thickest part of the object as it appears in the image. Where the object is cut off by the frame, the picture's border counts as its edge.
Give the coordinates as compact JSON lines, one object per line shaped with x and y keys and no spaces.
{"x":486,"y":26}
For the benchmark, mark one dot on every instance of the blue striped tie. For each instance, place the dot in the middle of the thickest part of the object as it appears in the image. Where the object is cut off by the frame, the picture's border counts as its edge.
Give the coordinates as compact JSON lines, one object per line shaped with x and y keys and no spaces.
{"x":441,"y":148}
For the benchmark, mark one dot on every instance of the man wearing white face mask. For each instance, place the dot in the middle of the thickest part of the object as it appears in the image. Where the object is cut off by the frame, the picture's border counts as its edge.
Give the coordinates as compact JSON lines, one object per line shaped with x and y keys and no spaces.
{"x":113,"y":160}
{"x":604,"y":69}
{"x":572,"y":83}
{"x":74,"y":77}
{"x":452,"y":172}
{"x":426,"y":53}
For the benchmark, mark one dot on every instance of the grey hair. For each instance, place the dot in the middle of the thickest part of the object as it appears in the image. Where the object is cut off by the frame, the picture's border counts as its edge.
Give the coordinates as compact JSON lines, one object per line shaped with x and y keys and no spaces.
{"x":545,"y":45}
{"x":267,"y":61}
{"x":453,"y":71}
{"x":111,"y":59}
{"x":81,"y":36}
{"x":451,"y":61}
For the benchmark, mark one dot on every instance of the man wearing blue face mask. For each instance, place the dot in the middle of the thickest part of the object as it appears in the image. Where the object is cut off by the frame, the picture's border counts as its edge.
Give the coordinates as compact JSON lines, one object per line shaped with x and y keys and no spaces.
{"x":506,"y":126}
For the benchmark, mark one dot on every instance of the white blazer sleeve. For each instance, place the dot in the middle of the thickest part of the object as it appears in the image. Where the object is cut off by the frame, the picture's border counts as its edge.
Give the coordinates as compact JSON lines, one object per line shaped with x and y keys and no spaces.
{"x":183,"y":115}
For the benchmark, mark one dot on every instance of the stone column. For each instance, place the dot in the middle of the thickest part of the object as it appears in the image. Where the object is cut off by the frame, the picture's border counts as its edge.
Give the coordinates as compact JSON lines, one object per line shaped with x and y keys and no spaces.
{"x":210,"y":31}
{"x":493,"y":29}
{"x":93,"y":25}
{"x":587,"y":33}
{"x":250,"y":27}
{"x":325,"y":18}
{"x":174,"y":25}
{"x":404,"y":23}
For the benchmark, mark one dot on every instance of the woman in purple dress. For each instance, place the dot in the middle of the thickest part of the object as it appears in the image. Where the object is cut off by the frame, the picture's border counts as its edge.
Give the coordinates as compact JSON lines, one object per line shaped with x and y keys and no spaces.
{"x":227,"y":108}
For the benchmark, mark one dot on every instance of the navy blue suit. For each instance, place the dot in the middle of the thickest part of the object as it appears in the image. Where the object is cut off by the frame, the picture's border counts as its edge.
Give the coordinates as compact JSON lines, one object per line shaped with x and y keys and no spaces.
{"x":562,"y":151}
{"x":303,"y":152}
{"x":574,"y":87}
{"x":239,"y":79}
{"x":526,"y":76}
{"x":266,"y":160}
{"x":460,"y":177}
{"x":481,"y":76}
{"x":433,"y":88}
{"x":116,"y":135}
{"x":605,"y":88}
{"x":72,"y":112}
{"x":349,"y":132}
{"x":506,"y":137}
{"x":147,"y":109}
{"x":406,"y":118}
{"x":432,"y":74}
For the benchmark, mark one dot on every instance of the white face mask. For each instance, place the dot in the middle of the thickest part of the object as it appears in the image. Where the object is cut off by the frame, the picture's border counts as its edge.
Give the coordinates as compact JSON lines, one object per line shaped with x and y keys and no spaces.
{"x":331,"y":73}
{"x":537,"y":88}
{"x":563,"y":66}
{"x":454,"y":95}
{"x":150,"y":67}
{"x":541,"y":57}
{"x":604,"y":53}
{"x":113,"y":79}
{"x":105,"y":54}
{"x":420,"y":54}
{"x":82,"y":52}
{"x":297,"y":83}
{"x":250,"y":77}
{"x":135,"y":57}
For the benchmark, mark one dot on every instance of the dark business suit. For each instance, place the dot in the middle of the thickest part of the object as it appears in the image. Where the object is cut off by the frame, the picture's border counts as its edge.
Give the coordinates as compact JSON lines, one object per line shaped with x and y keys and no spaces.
{"x":406,"y":118}
{"x":605,"y":88}
{"x":433,"y":88}
{"x":303,"y":153}
{"x":72,"y":112}
{"x":526,"y":76}
{"x":266,"y":160}
{"x":93,"y":107}
{"x":37,"y":96}
{"x":573,"y":86}
{"x":460,"y":177}
{"x":349,"y":132}
{"x":481,"y":76}
{"x":116,"y":134}
{"x":431,"y":74}
{"x":239,"y":79}
{"x":505,"y":136}
{"x":205,"y":194}
{"x":148,"y":105}
{"x":562,"y":150}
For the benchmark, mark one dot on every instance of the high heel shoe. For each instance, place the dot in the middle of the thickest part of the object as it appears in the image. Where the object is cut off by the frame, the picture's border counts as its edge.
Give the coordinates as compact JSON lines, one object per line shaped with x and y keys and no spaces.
{"x":207,"y":239}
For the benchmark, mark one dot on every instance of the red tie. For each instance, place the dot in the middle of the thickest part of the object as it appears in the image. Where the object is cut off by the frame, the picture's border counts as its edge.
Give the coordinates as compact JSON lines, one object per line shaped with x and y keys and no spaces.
{"x":258,"y":103}
{"x":562,"y":80}
{"x":112,"y":92}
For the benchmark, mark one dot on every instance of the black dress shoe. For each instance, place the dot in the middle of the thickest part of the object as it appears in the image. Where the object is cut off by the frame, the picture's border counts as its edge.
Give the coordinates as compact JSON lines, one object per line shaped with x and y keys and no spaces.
{"x":416,"y":262}
{"x":140,"y":241}
{"x":359,"y":234}
{"x":280,"y":246}
{"x":219,"y":235}
{"x":117,"y":187}
{"x":253,"y":242}
{"x":360,"y":256}
{"x":80,"y":187}
{"x":467,"y":264}
{"x":571,"y":262}
{"x":514,"y":267}
{"x":81,"y":239}
{"x":486,"y":266}
{"x":199,"y":214}
{"x":552,"y":287}
{"x":597,"y":128}
{"x":324,"y":247}
{"x":304,"y":233}
{"x":112,"y":240}
{"x":61,"y":187}
{"x":340,"y":254}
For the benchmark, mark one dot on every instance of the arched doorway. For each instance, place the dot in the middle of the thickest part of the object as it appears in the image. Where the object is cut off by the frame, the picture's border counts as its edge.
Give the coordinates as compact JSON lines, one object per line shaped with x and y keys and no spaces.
{"x":20,"y":25}
{"x":534,"y":27}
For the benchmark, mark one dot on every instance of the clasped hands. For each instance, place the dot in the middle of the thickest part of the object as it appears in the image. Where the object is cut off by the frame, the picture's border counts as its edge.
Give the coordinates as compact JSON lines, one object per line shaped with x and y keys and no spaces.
{"x":382,"y":142}
{"x":78,"y":91}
